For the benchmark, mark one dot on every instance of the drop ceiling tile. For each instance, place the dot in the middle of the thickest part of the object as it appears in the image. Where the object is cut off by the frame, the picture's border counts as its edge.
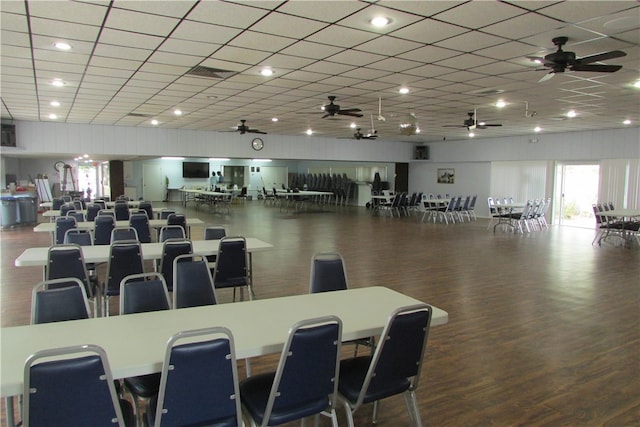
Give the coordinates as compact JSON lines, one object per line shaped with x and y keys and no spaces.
{"x":278,"y":24}
{"x":471,"y":41}
{"x":282,"y":64}
{"x":365,"y":73}
{"x":121,"y":52}
{"x":522,"y":26}
{"x":260,"y":41}
{"x":307,"y":49}
{"x":137,"y":22}
{"x":508,"y":50}
{"x":429,"y":54}
{"x":361,"y":20}
{"x":331,"y":68}
{"x":115,"y":63}
{"x":388,"y":46}
{"x":14,"y":38}
{"x":176,"y":9}
{"x":63,"y":30}
{"x":202,"y":32}
{"x":325,"y":11}
{"x":167,"y":58}
{"x":355,"y":57}
{"x":13,"y":22}
{"x":59,"y":67}
{"x":632,"y":36}
{"x":479,"y":14}
{"x":422,"y":8}
{"x":69,"y":12}
{"x":62,"y":57}
{"x":429,"y":31}
{"x":394,"y":65}
{"x":227,"y":14}
{"x":464,"y":62}
{"x":574,"y":12}
{"x":341,"y":37}
{"x":115,"y":37}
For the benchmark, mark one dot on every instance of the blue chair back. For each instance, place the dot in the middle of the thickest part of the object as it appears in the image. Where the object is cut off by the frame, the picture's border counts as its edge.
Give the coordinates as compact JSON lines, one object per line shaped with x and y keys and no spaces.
{"x":201,"y":387}
{"x":63,"y":224}
{"x":75,"y":391}
{"x":92,"y":211}
{"x":305,"y":381}
{"x":231,"y":263}
{"x":66,"y":208}
{"x":171,"y":248}
{"x":178,"y":219}
{"x":171,"y":232}
{"x":119,"y":234}
{"x":164,"y":213}
{"x":122,"y":211}
{"x":59,"y":300}
{"x":103,"y":225}
{"x":192,"y":282}
{"x":78,"y":215}
{"x":125,"y":258}
{"x":142,"y":293}
{"x":148,"y":208}
{"x":214,"y":232}
{"x":140,"y":222}
{"x":79,"y":236}
{"x":65,"y":261}
{"x":56,"y":204}
{"x":327,"y":273}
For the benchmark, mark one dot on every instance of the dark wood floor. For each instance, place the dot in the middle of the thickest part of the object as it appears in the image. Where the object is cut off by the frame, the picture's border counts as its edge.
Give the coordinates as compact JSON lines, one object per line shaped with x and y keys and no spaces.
{"x":544,"y":329}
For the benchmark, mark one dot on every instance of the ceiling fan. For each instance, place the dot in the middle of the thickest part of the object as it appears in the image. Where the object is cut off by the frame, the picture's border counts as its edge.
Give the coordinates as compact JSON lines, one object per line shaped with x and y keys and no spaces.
{"x":243,"y":128}
{"x":472,"y":123}
{"x":559,"y":61}
{"x":331,"y":109}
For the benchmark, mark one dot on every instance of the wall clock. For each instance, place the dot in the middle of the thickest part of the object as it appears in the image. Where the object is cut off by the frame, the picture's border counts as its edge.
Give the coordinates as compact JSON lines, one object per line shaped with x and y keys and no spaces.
{"x":257,"y":144}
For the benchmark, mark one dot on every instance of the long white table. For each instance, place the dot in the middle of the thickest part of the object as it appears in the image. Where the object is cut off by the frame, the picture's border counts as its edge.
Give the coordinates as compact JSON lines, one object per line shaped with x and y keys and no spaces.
{"x":37,"y":257}
{"x":135,"y":343}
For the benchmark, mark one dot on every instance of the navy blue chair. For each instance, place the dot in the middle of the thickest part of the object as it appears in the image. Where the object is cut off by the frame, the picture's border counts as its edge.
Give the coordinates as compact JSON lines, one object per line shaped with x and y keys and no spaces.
{"x":148,"y":208}
{"x":192,"y":282}
{"x":125,"y":258}
{"x":231,"y":269}
{"x":82,"y":237}
{"x":78,"y":215}
{"x":328,"y":273}
{"x":179,"y":219}
{"x":171,"y":248}
{"x":199,"y":381}
{"x":171,"y":232}
{"x":66,"y":208}
{"x":140,"y":222}
{"x":305,"y":381}
{"x":56,"y":203}
{"x":214,"y":232}
{"x":92,"y":211}
{"x":394,"y":367}
{"x":103,"y":226}
{"x":122,"y":211}
{"x":66,"y":261}
{"x":142,"y":293}
{"x":119,"y":234}
{"x":59,"y":300}
{"x":72,"y":387}
{"x":164,"y":213}
{"x":63,"y":223}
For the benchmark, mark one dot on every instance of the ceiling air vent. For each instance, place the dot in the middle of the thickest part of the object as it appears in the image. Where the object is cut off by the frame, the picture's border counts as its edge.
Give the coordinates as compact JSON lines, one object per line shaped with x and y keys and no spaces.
{"x":212,"y":73}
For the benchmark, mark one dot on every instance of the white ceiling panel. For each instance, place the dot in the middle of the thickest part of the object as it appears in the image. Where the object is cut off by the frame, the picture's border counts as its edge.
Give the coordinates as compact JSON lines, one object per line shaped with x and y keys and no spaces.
{"x":452,"y":55}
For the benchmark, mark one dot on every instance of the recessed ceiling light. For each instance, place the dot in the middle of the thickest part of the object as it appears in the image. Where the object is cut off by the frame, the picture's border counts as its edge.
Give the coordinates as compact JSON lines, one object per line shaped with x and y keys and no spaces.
{"x":637,"y":84}
{"x":53,"y":116}
{"x":471,"y":134}
{"x":537,"y":129}
{"x":58,"y":82}
{"x":62,"y":46}
{"x":154,"y":122}
{"x":500,"y":103}
{"x":177,"y":112}
{"x":380,"y":21}
{"x":627,"y":122}
{"x":54,"y":103}
{"x":274,"y":119}
{"x":309,"y":131}
{"x":352,"y":125}
{"x":266,"y":71}
{"x":404,"y":90}
{"x":572,"y":114}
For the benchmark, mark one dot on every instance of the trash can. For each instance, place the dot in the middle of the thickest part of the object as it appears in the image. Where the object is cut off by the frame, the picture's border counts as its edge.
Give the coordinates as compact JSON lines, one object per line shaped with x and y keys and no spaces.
{"x":8,"y":211}
{"x":27,"y":209}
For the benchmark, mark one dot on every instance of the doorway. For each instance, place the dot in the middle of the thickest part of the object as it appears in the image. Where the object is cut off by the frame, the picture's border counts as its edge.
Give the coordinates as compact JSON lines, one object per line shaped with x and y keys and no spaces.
{"x":153,"y":183}
{"x":576,"y":192}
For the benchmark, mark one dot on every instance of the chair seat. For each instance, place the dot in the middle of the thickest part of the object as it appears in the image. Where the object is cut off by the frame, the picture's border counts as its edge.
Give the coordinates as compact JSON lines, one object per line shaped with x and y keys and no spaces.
{"x":150,"y":417}
{"x":352,"y":375}
{"x":232,"y":282}
{"x":255,"y":393}
{"x":144,"y":386}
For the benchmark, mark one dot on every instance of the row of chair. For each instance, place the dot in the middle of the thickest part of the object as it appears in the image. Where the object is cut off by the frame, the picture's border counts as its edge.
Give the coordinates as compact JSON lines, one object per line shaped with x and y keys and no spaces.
{"x":104,"y":226}
{"x":610,"y":226}
{"x":198,"y":383}
{"x":455,"y":209}
{"x":120,"y":210}
{"x":532,"y":216}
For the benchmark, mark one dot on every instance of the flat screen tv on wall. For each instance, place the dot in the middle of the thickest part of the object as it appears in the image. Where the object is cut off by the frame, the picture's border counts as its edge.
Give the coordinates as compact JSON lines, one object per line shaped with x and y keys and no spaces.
{"x":195,"y":170}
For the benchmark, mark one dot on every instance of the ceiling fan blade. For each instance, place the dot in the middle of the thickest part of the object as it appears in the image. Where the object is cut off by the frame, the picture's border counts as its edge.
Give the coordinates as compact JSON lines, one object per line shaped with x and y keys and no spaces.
{"x":256,"y":131}
{"x":349,"y":110}
{"x":546,"y":77}
{"x":601,"y":57}
{"x":327,"y":115}
{"x":349,"y":113}
{"x":492,"y":125}
{"x":596,"y":68}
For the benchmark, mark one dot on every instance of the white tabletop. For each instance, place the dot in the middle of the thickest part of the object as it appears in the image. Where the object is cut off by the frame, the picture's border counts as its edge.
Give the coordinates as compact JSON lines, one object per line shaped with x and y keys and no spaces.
{"x":285,"y":193}
{"x":621,"y":213}
{"x":50,"y":227}
{"x":135,"y":343}
{"x":37,"y":257}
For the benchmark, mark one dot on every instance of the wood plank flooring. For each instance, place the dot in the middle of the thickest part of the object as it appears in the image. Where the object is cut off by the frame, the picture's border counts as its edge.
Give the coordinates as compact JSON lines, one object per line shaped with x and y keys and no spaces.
{"x":544,"y":328}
